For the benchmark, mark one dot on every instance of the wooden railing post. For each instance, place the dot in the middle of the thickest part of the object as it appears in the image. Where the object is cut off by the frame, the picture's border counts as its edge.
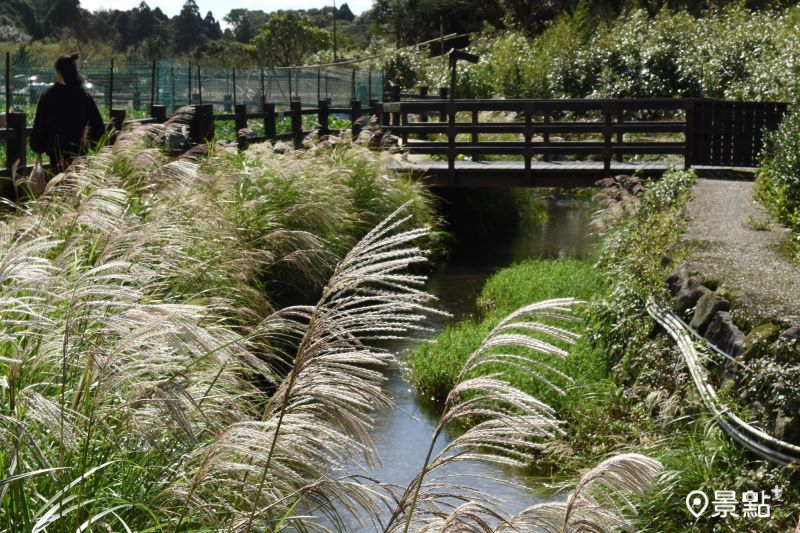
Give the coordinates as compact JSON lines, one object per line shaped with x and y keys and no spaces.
{"x":377,"y":110}
{"x":240,"y":114}
{"x":270,"y":122}
{"x":546,"y":134}
{"x":451,"y":142}
{"x":423,"y":94}
{"x":608,"y":134}
{"x":201,"y":127}
{"x":620,"y":134}
{"x":159,"y":113}
{"x":16,"y":147}
{"x":689,"y":133}
{"x":323,"y":116}
{"x":528,"y":154}
{"x":297,"y":122}
{"x":395,"y":98}
{"x":117,"y":118}
{"x":443,"y":93}
{"x":355,"y":115}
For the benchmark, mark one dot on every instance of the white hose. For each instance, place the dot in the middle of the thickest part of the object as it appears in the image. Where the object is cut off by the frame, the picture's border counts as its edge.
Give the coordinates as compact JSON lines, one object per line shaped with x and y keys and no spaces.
{"x":745,"y":434}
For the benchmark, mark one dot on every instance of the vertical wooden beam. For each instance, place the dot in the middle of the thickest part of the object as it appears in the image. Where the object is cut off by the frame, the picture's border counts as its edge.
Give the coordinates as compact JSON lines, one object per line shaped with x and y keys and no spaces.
{"x":620,"y":134}
{"x":159,"y":113}
{"x":443,"y":92}
{"x":546,"y":134}
{"x":295,"y":108}
{"x":319,"y":84}
{"x":689,"y":133}
{"x":355,"y":115}
{"x":528,"y":152}
{"x":117,"y":119}
{"x":608,"y":109}
{"x":353,"y":85}
{"x":16,"y":148}
{"x":235,"y":100}
{"x":201,"y":128}
{"x":240,"y":112}
{"x":323,"y":115}
{"x":395,"y":98}
{"x":189,"y":78}
{"x":270,"y":123}
{"x":451,"y":142}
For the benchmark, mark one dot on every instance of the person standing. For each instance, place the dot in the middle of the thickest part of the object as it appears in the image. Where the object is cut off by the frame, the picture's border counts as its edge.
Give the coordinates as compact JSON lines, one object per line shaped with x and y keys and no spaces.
{"x":67,"y":119}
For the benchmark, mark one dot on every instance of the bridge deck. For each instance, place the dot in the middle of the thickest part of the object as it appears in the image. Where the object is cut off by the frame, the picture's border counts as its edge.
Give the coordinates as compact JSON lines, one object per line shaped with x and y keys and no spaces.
{"x":543,"y":174}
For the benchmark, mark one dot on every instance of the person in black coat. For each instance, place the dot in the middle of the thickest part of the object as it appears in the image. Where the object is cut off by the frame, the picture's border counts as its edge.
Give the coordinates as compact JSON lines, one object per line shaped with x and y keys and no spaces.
{"x":67,"y":118}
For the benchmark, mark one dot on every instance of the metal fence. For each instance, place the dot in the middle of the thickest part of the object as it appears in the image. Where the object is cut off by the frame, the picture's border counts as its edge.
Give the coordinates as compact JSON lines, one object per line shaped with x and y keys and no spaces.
{"x":134,"y":85}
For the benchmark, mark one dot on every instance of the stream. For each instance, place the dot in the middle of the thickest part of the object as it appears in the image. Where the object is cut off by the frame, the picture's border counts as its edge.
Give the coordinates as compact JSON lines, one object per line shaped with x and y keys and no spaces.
{"x":402,"y":434}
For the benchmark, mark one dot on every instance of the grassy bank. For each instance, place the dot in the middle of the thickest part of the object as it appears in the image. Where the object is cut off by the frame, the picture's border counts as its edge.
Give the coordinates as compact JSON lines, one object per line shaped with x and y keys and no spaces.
{"x":630,"y":390}
{"x":141,"y":350}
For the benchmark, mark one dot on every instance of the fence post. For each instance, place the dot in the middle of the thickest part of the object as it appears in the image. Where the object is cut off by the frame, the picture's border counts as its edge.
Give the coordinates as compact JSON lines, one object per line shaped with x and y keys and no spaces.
{"x":111,"y":86}
{"x":189,"y":78}
{"x":377,"y":110}
{"x":546,"y":135}
{"x":528,"y":139}
{"x":289,"y":72}
{"x":233,"y":79}
{"x":323,"y":114}
{"x":263,"y":87}
{"x":270,"y":127}
{"x":443,"y":92}
{"x":117,"y":118}
{"x":395,"y":98}
{"x":423,"y":94}
{"x":353,"y":85}
{"x":689,"y":133}
{"x":241,"y":124}
{"x":369,"y":83}
{"x":608,"y":135}
{"x":355,"y":115}
{"x":451,"y":142}
{"x":319,"y":84}
{"x":295,"y":108}
{"x":158,"y":113}
{"x":201,"y":127}
{"x":153,"y":84}
{"x":8,"y":82}
{"x":199,"y":87}
{"x":16,"y":148}
{"x":620,"y":134}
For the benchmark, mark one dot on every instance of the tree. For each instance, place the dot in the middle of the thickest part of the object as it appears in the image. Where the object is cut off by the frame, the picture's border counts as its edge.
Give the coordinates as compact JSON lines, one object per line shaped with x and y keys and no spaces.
{"x":189,"y":28}
{"x":245,"y":23}
{"x":287,"y":38}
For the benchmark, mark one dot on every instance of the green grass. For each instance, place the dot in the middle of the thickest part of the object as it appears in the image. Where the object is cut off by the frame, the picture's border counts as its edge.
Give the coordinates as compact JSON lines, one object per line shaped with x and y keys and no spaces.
{"x":435,"y":366}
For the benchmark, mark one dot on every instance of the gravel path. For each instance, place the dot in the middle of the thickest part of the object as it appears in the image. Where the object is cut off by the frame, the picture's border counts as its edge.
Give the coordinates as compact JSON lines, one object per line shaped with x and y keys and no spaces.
{"x":724,"y":248}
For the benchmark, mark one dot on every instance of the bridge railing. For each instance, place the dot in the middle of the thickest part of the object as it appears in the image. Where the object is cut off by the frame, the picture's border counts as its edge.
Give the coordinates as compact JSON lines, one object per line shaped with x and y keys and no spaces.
{"x":703,"y":131}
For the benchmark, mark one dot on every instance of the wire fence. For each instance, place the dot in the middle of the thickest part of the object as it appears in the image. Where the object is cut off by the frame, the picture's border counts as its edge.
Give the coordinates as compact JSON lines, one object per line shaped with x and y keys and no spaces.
{"x":134,"y":85}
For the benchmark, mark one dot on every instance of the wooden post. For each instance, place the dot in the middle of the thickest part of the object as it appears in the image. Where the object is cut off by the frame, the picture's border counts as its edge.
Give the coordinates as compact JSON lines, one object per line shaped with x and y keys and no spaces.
{"x":111,"y":86}
{"x":270,"y":125}
{"x":443,"y":96}
{"x":377,"y":110}
{"x":240,"y":111}
{"x":689,"y":133}
{"x":199,"y":87}
{"x":355,"y":114}
{"x":153,"y":84}
{"x":396,"y":98}
{"x":295,"y":108}
{"x":323,"y":114}
{"x":353,"y":85}
{"x":16,"y":148}
{"x":451,"y":142}
{"x":117,"y":119}
{"x":620,"y":135}
{"x":369,"y":83}
{"x":423,"y":94}
{"x":546,"y":134}
{"x":319,"y":84}
{"x":263,"y":87}
{"x":159,"y":113}
{"x":289,"y":71}
{"x":474,"y":137}
{"x":608,"y":132}
{"x":528,"y":141}
{"x":189,"y":78}
{"x":201,"y":128}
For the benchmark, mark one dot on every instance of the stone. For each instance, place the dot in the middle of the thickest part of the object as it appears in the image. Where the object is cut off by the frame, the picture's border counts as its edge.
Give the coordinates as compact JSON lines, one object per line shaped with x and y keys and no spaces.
{"x":786,"y":428}
{"x":758,"y":341}
{"x":791,"y":335}
{"x":677,"y":279}
{"x":688,"y":296}
{"x":281,"y":148}
{"x":724,"y":334}
{"x":707,"y":306}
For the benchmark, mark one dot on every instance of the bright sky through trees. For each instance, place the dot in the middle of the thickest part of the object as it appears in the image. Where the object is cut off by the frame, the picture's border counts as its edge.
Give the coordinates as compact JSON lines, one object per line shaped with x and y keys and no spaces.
{"x":220,"y":8}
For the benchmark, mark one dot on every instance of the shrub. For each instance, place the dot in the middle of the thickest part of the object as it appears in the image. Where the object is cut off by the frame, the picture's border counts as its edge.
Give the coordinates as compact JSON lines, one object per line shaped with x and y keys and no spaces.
{"x":778,"y":183}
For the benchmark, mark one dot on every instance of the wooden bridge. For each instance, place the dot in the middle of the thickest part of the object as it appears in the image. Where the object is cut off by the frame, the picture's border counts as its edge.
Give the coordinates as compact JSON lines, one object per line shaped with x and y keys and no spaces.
{"x":574,"y":142}
{"x":530,"y":142}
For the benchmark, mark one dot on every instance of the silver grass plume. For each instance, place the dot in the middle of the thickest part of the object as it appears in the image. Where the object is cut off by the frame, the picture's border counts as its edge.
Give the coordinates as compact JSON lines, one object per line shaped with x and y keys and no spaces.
{"x":510,"y":422}
{"x":320,"y":413}
{"x":599,"y":503}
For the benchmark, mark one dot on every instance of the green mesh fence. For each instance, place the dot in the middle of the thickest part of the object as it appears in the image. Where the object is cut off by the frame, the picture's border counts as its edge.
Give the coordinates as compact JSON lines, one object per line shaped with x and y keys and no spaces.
{"x":135,"y":84}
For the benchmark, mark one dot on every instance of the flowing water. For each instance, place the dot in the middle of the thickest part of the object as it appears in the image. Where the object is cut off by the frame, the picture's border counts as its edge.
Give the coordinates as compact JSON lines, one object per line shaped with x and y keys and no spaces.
{"x":402,"y":434}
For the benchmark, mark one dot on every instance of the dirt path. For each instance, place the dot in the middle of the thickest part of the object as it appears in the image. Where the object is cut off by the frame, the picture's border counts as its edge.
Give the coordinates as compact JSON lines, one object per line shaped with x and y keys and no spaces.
{"x":725,"y":248}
